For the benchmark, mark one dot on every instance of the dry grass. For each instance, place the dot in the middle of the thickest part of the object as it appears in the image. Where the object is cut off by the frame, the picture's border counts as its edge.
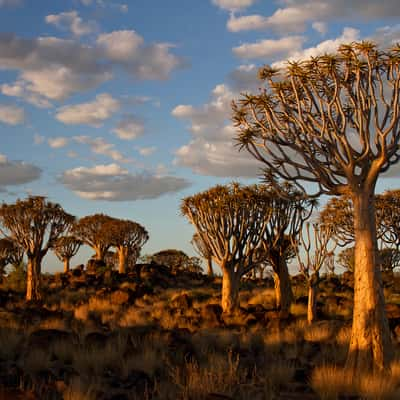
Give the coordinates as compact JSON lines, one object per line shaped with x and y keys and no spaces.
{"x":77,"y":390}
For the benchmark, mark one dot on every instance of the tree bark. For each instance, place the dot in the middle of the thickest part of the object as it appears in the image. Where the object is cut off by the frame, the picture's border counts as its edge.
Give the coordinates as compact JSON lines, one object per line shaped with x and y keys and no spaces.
{"x":99,"y":253}
{"x":312,"y":302}
{"x":122,"y":256}
{"x":370,"y":343}
{"x":230,"y":291}
{"x":66,"y":265}
{"x":283,"y":287}
{"x":210,"y":271}
{"x":33,"y":289}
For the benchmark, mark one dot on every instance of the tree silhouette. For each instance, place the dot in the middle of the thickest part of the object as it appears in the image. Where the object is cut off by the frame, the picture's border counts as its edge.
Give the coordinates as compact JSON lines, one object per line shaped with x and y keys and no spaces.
{"x":231,"y":220}
{"x":94,"y":230}
{"x":10,"y":253}
{"x":333,"y":122}
{"x":34,"y":224}
{"x":65,"y":247}
{"x":128,"y":238}
{"x":203,"y":251}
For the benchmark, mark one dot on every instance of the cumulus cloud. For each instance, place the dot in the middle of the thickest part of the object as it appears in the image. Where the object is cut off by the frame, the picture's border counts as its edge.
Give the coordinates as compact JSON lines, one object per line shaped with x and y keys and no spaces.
{"x":129,"y":128}
{"x":93,"y":113}
{"x":232,"y":5}
{"x":16,"y":172}
{"x":54,"y":68}
{"x":11,"y":115}
{"x":19,"y":89}
{"x":269,"y":48}
{"x":58,"y":142}
{"x":212,"y":150}
{"x":244,"y":78}
{"x":296,"y":14}
{"x":113,"y":183}
{"x":126,"y":48}
{"x":73,"y":22}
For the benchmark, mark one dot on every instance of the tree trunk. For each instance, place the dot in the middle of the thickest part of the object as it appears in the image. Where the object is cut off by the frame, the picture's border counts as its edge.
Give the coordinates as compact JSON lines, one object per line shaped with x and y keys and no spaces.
{"x":230,"y":291}
{"x":210,"y":271}
{"x":99,"y":253}
{"x":33,"y":292}
{"x":283,"y":287}
{"x":312,"y":302}
{"x":122,"y":256}
{"x":370,"y":344}
{"x":66,"y":265}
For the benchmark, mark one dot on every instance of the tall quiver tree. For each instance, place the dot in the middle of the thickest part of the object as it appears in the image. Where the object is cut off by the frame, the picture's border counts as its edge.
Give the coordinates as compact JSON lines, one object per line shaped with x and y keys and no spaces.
{"x":128,"y":238}
{"x":34,"y":224}
{"x":10,"y":253}
{"x":290,"y":209}
{"x":203,"y":251}
{"x":333,"y":120}
{"x":94,"y":230}
{"x":65,"y":248}
{"x":231,"y":220}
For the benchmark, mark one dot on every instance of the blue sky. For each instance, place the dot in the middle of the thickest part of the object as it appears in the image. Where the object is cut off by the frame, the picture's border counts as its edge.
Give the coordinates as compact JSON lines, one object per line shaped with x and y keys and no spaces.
{"x":123,"y":107}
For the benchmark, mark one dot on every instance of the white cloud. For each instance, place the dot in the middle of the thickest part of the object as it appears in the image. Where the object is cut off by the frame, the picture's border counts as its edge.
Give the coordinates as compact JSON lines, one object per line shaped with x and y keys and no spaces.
{"x":127,"y":49}
{"x":113,"y":183}
{"x":54,"y":68}
{"x":129,"y":128}
{"x":212,"y":150}
{"x":73,"y":22}
{"x":11,"y":115}
{"x":92,"y":113}
{"x":19,"y":89}
{"x":269,"y":48}
{"x":99,"y":146}
{"x":233,"y":4}
{"x":58,"y":142}
{"x":147,"y":151}
{"x":320,"y":27}
{"x":16,"y":172}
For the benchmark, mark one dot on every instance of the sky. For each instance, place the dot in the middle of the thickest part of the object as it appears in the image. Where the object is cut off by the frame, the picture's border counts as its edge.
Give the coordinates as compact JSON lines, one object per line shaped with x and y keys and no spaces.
{"x":124,"y":107}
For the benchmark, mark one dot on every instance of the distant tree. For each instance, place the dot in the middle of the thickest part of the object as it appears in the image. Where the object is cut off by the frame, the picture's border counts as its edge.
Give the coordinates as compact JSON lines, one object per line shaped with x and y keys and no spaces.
{"x":10,"y":253}
{"x":128,"y":238}
{"x":177,"y":260}
{"x":65,"y":247}
{"x":110,"y":259}
{"x":333,"y":121}
{"x":389,"y":218}
{"x":231,"y":220}
{"x":34,"y":224}
{"x":290,"y":210}
{"x":313,"y":248}
{"x":94,"y":230}
{"x":346,"y":259}
{"x":203,"y":251}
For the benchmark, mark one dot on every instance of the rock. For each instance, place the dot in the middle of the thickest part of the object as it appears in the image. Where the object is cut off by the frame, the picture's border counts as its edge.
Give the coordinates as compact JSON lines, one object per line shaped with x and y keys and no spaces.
{"x":392,"y":310}
{"x":120,"y":297}
{"x":93,"y":266}
{"x":182,"y":302}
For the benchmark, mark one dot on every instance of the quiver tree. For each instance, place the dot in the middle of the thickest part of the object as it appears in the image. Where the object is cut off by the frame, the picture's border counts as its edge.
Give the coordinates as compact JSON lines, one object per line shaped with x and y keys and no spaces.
{"x":203,"y":251}
{"x":333,"y":121}
{"x":317,"y":246}
{"x":231,"y":220}
{"x":128,"y":238}
{"x":177,"y":260}
{"x":10,"y":253}
{"x":34,"y":224}
{"x":94,"y":231}
{"x":65,"y":247}
{"x":290,"y":209}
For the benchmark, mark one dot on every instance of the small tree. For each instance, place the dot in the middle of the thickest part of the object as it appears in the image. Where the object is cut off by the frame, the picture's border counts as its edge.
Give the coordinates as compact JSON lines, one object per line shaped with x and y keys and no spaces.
{"x":317,"y":246}
{"x":231,"y":220}
{"x":10,"y":253}
{"x":65,"y":248}
{"x":333,"y":121}
{"x":128,"y":238}
{"x":203,"y":251}
{"x":94,"y":230}
{"x":34,"y":224}
{"x":175,"y":259}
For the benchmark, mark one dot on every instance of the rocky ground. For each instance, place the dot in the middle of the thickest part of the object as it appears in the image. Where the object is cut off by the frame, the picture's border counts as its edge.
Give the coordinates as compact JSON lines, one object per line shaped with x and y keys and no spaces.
{"x":151,"y":334}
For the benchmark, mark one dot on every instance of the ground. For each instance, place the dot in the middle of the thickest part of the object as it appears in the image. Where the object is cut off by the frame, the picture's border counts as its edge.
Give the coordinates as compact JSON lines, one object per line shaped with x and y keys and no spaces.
{"x":153,"y":334}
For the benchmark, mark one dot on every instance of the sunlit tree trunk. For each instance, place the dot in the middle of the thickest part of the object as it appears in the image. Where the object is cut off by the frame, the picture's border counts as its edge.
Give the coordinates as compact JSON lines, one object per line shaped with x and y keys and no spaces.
{"x":230,"y":291}
{"x":100,"y":253}
{"x":33,"y":289}
{"x":66,"y":265}
{"x":210,"y":271}
{"x":283,"y":287}
{"x":370,"y":344}
{"x":122,"y":256}
{"x":312,"y":299}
